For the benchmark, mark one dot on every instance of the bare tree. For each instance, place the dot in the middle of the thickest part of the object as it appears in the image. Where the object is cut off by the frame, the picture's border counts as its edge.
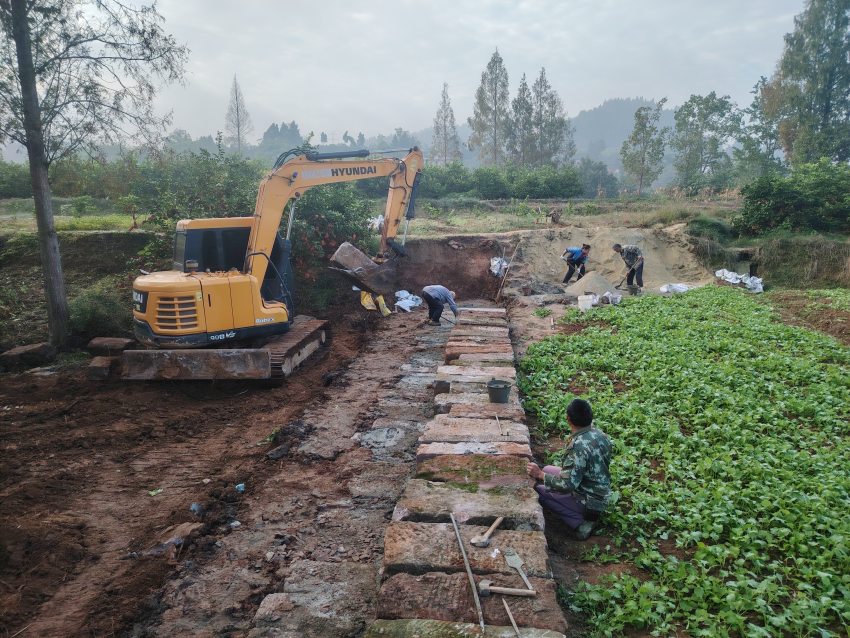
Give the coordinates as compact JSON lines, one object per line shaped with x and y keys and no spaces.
{"x":237,"y":122}
{"x":75,"y":74}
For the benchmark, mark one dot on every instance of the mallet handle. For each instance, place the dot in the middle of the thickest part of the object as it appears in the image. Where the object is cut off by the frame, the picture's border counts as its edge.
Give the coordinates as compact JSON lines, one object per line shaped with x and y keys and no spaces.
{"x":493,"y":527}
{"x":510,"y":591}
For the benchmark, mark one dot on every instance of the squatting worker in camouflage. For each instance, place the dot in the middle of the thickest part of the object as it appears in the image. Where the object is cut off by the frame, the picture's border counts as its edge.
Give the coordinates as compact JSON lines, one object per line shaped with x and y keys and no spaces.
{"x":634,"y":262}
{"x":579,"y":490}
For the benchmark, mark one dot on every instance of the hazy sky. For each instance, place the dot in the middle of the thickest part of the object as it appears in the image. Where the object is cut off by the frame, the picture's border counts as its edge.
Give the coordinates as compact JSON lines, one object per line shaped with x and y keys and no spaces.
{"x":373,"y":65}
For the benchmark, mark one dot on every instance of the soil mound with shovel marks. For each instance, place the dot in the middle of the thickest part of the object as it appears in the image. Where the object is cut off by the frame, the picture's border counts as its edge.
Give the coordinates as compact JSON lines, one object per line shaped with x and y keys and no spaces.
{"x":592,"y":282}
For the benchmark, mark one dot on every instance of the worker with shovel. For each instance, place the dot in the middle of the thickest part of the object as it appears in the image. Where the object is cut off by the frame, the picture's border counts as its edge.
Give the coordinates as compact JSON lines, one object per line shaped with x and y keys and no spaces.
{"x":436,"y":297}
{"x":579,"y":489}
{"x":633,"y":258}
{"x":576,"y":259}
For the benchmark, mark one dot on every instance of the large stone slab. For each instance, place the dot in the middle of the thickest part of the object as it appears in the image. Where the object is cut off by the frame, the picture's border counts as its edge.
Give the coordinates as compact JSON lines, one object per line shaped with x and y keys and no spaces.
{"x":440,"y":596}
{"x":383,"y":481}
{"x":445,"y":428}
{"x":420,"y":628}
{"x":485,"y":471}
{"x":425,"y":501}
{"x":477,"y":371}
{"x":321,"y":600}
{"x":485,"y":361}
{"x":418,"y":548}
{"x":474,"y":311}
{"x":494,"y":356}
{"x":479,"y":331}
{"x":444,"y":402}
{"x":430,"y":450}
{"x":109,"y":346}
{"x":28,"y":356}
{"x":457,"y":348}
{"x":479,"y":320}
{"x":511,"y":411}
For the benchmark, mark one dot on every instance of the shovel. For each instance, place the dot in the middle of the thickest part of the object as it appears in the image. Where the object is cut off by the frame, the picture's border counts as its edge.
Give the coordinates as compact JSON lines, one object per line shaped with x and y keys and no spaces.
{"x":514,"y":560}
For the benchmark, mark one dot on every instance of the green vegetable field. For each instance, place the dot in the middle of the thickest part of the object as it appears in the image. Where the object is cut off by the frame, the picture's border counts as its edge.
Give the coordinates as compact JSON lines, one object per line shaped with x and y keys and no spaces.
{"x":732,"y":463}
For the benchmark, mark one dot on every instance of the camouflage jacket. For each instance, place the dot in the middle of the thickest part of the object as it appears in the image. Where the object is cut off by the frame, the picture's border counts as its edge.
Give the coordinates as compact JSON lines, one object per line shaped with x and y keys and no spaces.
{"x":631,"y":254}
{"x":584,"y":468}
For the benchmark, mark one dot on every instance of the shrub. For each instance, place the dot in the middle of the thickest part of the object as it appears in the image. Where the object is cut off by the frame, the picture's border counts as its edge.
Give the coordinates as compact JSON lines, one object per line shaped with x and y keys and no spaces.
{"x":491,"y":183}
{"x":101,"y":310}
{"x":814,"y":197}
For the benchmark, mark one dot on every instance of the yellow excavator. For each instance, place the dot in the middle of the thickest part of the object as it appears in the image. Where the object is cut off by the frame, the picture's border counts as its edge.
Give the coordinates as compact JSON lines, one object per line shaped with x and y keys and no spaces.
{"x":227,"y":310}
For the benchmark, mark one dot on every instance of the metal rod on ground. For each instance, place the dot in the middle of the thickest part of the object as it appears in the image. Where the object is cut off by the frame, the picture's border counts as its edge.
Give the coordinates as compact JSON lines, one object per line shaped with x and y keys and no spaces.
{"x":468,"y":572}
{"x":505,"y":276}
{"x":511,"y":617}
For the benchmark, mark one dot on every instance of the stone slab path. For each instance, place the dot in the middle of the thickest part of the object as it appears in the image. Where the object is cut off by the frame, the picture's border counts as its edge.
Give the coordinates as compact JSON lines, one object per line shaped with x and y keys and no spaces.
{"x":470,"y":462}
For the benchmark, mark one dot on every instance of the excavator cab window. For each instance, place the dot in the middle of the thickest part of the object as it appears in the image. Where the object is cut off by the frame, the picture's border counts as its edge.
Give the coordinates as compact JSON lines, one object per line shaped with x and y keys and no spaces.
{"x":215,"y":249}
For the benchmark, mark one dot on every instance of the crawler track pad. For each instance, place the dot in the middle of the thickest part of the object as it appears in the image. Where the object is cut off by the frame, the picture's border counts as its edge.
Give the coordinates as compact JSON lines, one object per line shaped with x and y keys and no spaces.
{"x":276,"y":360}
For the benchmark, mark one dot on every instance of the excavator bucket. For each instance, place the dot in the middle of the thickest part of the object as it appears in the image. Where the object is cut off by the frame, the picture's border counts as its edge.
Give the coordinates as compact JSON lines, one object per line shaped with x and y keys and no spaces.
{"x":364,"y":273}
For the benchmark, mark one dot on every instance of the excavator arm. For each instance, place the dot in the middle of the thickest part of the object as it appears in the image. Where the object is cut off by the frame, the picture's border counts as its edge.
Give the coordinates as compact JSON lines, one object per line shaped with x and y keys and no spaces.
{"x":290,"y":179}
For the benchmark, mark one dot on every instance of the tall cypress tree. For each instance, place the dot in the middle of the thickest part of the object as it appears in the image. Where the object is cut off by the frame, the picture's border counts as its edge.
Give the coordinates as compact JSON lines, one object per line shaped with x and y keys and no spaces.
{"x":521,"y":134}
{"x":445,"y":147}
{"x":491,"y":113}
{"x":551,"y":130}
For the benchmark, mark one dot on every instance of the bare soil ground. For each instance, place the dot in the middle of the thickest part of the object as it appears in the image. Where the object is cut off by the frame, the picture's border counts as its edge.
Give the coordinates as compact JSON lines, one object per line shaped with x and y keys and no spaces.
{"x":83,"y":544}
{"x":799,"y":309}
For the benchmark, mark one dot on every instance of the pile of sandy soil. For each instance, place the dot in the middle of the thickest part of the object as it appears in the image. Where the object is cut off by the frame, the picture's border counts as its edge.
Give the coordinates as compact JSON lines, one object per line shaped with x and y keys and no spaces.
{"x":666,"y":251}
{"x":592,"y":282}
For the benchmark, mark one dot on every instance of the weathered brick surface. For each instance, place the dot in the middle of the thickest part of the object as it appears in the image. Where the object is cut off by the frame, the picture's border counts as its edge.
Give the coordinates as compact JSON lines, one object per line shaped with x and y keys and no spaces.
{"x":479,"y":331}
{"x":461,"y":383}
{"x":485,"y":471}
{"x":440,"y":596}
{"x":445,"y":428}
{"x":28,"y":356}
{"x":427,"y":501}
{"x":421,"y":628}
{"x":430,"y":450}
{"x":432,"y":547}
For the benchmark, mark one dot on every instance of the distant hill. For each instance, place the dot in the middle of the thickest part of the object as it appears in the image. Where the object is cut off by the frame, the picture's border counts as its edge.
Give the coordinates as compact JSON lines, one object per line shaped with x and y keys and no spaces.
{"x":601,"y":131}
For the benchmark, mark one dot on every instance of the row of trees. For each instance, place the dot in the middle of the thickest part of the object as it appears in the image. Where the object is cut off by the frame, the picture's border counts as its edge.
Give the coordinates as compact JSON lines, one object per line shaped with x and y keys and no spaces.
{"x":797,"y":116}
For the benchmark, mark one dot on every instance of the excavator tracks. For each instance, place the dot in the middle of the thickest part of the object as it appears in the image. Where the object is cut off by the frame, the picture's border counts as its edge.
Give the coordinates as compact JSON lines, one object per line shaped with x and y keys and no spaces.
{"x":288,"y":351}
{"x":275,"y":360}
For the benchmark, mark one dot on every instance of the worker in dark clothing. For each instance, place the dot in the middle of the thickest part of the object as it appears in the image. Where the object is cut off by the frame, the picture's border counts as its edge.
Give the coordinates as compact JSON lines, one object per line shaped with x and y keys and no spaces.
{"x":576,"y":259}
{"x":578,"y":491}
{"x":633,"y":258}
{"x":436,"y":297}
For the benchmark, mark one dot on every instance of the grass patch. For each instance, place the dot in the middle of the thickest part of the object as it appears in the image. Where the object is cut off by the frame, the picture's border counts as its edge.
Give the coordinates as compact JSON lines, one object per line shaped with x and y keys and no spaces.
{"x":749,"y":419}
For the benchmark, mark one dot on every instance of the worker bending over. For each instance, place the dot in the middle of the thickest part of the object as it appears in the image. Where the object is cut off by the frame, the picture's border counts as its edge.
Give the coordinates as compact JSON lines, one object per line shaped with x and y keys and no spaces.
{"x":576,"y":259}
{"x":633,"y":258}
{"x":436,"y":297}
{"x":579,"y":490}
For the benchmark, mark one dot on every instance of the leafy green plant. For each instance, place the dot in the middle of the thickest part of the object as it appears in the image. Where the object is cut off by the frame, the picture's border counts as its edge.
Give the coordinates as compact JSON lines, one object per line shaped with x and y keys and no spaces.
{"x":749,"y":421}
{"x":542,"y":312}
{"x":102,"y":310}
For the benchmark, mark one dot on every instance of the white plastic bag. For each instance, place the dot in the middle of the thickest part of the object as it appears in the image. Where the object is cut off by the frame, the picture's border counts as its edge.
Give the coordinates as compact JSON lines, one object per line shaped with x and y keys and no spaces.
{"x":408,"y":303}
{"x":498,"y":266}
{"x":669,"y":288}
